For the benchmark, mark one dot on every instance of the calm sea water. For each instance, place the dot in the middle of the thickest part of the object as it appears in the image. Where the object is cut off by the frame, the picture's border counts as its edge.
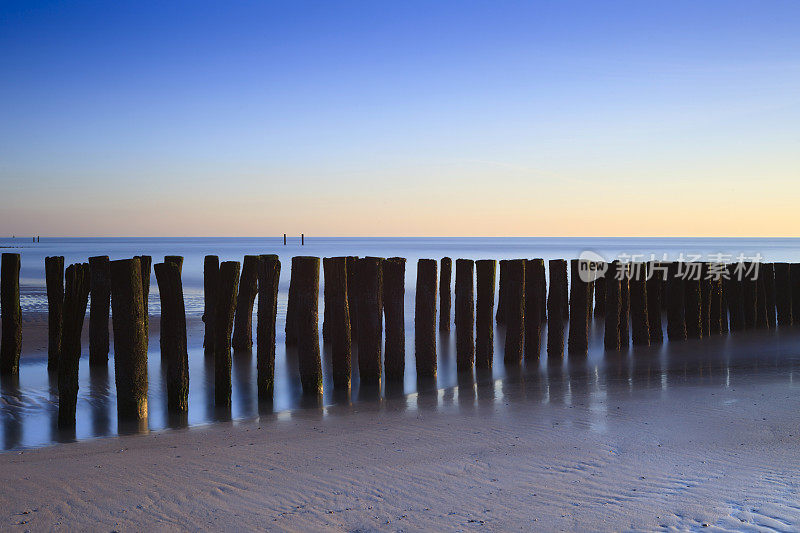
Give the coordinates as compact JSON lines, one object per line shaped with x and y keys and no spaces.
{"x":28,"y":406}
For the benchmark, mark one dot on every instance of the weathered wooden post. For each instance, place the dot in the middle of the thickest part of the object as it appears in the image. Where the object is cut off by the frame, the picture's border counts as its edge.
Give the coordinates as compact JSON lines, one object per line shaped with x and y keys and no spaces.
{"x":515,"y":312}
{"x":370,"y":319}
{"x":761,"y":298}
{"x":290,"y":327}
{"x":305,"y":270}
{"x":640,"y":316}
{"x":394,"y":291}
{"x":146,"y":263}
{"x":693,"y":303}
{"x":243,"y":319}
{"x":794,"y":278}
{"x":600,"y":293}
{"x":625,"y":309}
{"x":54,"y":276}
{"x":733,"y":292}
{"x":173,"y":334}
{"x":500,"y":316}
{"x":210,"y":288}
{"x":76,"y":296}
{"x":613,"y":307}
{"x":352,"y":295}
{"x":11,"y":342}
{"x":768,"y":274}
{"x":654,"y":283}
{"x":425,"y":319}
{"x":100,"y":289}
{"x":176,"y":260}
{"x":716,"y":306}
{"x":225,"y":309}
{"x":269,"y":273}
{"x":534,"y":282}
{"x":130,"y":338}
{"x":465,"y":315}
{"x":555,"y":315}
{"x":676,"y":312}
{"x":284,"y":239}
{"x":484,"y":312}
{"x":565,"y":293}
{"x":578,"y":335}
{"x":783,"y":293}
{"x":749,"y":295}
{"x":445,"y":275}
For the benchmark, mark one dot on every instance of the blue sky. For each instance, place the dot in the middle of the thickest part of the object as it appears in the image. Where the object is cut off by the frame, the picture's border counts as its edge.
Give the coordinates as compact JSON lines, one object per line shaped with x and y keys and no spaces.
{"x":399,"y":118}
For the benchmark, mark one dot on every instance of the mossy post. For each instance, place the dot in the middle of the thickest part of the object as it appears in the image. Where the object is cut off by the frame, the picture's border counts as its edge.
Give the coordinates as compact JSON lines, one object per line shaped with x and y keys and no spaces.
{"x":352,"y":295}
{"x":425,"y":319}
{"x":515,"y":312}
{"x":210,"y":288}
{"x":768,"y":276}
{"x":176,"y":260}
{"x":100,"y":289}
{"x":640,"y":317}
{"x":76,"y":296}
{"x":465,"y":315}
{"x":305,"y":271}
{"x":693,"y":304}
{"x":500,"y":316}
{"x":445,"y":275}
{"x":54,"y":275}
{"x":749,"y":295}
{"x":337,"y":308}
{"x":600,"y":293}
{"x":11,"y":341}
{"x":225,"y":309}
{"x":625,"y":306}
{"x":676,"y":313}
{"x":613,"y":307}
{"x":242,"y":340}
{"x":733,"y":291}
{"x":394,"y":291}
{"x":130,"y":339}
{"x":655,"y":282}
{"x":173,"y":335}
{"x":555,"y":315}
{"x":370,"y":319}
{"x":484,"y":313}
{"x":578,"y":335}
{"x":146,"y":263}
{"x":534,"y":280}
{"x":269,"y":273}
{"x":783,"y":294}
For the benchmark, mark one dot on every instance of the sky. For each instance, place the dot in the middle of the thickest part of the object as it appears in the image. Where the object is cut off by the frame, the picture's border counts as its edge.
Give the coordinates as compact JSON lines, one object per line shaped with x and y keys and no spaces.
{"x":400,"y":118}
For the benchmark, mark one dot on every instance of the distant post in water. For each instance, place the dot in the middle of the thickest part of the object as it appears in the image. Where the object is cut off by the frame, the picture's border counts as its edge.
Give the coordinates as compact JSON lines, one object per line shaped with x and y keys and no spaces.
{"x":305,"y":271}
{"x":534,"y":290}
{"x":394,"y":290}
{"x":555,"y":314}
{"x":173,"y":335}
{"x":76,"y":296}
{"x":500,"y":317}
{"x":54,"y":275}
{"x":11,"y":341}
{"x":465,"y":315}
{"x":210,"y":289}
{"x":654,"y":283}
{"x":370,"y":319}
{"x":445,"y":275}
{"x":783,"y":293}
{"x":578,"y":336}
{"x":100,"y":288}
{"x":676,"y":313}
{"x":484,"y":313}
{"x":425,"y":319}
{"x":640,"y":323}
{"x":515,"y":312}
{"x":146,"y":263}
{"x":284,"y":239}
{"x":613,"y":307}
{"x":269,"y":272}
{"x":302,"y":239}
{"x":225,"y":308}
{"x":243,"y":319}
{"x":130,"y":338}
{"x":339,"y":319}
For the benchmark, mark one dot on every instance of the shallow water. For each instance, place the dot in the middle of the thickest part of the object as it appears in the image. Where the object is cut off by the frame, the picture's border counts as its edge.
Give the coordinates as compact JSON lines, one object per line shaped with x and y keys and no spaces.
{"x":28,"y":405}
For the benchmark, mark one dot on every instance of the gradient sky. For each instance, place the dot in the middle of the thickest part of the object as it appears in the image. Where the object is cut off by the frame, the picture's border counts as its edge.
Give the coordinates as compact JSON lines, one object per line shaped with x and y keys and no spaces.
{"x":170,"y":118}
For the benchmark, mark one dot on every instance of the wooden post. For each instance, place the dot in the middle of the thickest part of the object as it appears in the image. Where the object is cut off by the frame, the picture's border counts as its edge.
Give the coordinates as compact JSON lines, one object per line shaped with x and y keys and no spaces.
{"x":370,"y":319}
{"x":676,"y":313}
{"x":578,"y":336}
{"x":305,"y":270}
{"x":716,"y":307}
{"x":640,"y":317}
{"x":302,"y":239}
{"x":269,"y":273}
{"x":613,"y":307}
{"x":176,"y":260}
{"x":130,"y":338}
{"x":327,"y":304}
{"x":500,"y":317}
{"x":100,"y":289}
{"x":445,"y":275}
{"x":723,"y":325}
{"x":54,"y":274}
{"x":225,"y":309}
{"x":515,"y":312}
{"x":749,"y":295}
{"x":284,"y":239}
{"x":543,"y":295}
{"x":654,"y":283}
{"x":565,"y":294}
{"x":768,"y":273}
{"x":794,"y":278}
{"x":600,"y":295}
{"x":783,"y":293}
{"x":146,"y":262}
{"x":534,"y":282}
{"x":394,"y":290}
{"x":243,"y":319}
{"x":733,"y":291}
{"x":76,"y":296}
{"x":352,"y":295}
{"x":425,"y":319}
{"x":291,"y":308}
{"x":11,"y":341}
{"x":625,"y":309}
{"x":336,"y":285}
{"x":173,"y":334}
{"x":465,"y":315}
{"x":210,"y":288}
{"x":693,"y":303}
{"x":761,"y":298}
{"x":555,"y":314}
{"x":484,"y":312}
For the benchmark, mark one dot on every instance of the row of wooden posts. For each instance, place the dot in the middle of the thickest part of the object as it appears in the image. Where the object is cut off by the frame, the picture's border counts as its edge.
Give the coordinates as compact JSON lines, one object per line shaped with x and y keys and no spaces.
{"x":361,"y":297}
